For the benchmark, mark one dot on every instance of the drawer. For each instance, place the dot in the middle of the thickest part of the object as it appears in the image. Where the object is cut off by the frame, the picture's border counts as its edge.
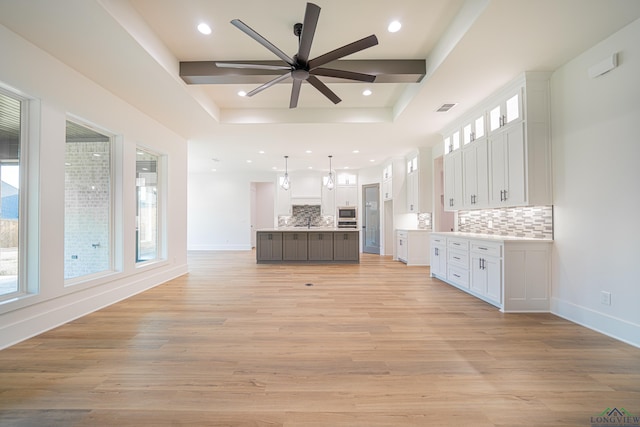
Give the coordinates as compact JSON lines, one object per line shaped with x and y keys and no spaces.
{"x":487,"y":248}
{"x":456,"y":243}
{"x":458,"y":276}
{"x":437,"y":240}
{"x":458,"y":258}
{"x":402,"y":234}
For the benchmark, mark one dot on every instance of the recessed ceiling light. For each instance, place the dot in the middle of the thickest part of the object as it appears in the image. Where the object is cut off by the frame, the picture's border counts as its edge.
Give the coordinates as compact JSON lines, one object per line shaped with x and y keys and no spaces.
{"x":204,"y":28}
{"x":308,"y":151}
{"x":249,"y":161}
{"x":261,"y":152}
{"x":309,"y":167}
{"x":367,"y":92}
{"x":372,"y":160}
{"x":356,"y":151}
{"x":394,"y":26}
{"x":214,"y":170}
{"x":275,"y":168}
{"x":242,"y":93}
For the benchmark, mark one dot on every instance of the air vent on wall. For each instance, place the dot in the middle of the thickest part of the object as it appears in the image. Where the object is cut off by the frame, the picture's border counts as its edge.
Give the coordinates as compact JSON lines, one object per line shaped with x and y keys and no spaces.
{"x":445,"y":107}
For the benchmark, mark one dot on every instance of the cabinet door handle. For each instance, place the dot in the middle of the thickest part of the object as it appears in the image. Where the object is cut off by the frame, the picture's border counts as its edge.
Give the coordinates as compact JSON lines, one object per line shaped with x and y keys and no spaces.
{"x":436,"y":252}
{"x":456,"y":275}
{"x":455,"y":257}
{"x":505,"y":195}
{"x":482,"y":249}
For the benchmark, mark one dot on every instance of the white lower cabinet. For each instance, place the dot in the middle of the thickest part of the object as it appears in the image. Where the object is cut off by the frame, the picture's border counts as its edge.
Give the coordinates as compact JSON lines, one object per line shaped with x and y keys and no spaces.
{"x":438,"y":259}
{"x":486,"y":271}
{"x":412,"y":247}
{"x":511,"y":273}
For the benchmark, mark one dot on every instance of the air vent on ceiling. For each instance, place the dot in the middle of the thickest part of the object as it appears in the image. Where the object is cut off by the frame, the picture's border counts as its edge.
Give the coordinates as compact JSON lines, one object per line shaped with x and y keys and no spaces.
{"x":445,"y":107}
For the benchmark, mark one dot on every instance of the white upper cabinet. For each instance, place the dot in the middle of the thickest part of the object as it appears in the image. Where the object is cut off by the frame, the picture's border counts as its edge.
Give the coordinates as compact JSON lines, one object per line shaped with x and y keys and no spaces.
{"x":475,"y":171}
{"x":508,"y":178}
{"x":473,"y":129}
{"x":508,"y":161}
{"x":453,"y":176}
{"x":346,"y":189}
{"x":507,"y":111}
{"x":418,"y":181}
{"x":387,"y":182}
{"x":347,"y":178}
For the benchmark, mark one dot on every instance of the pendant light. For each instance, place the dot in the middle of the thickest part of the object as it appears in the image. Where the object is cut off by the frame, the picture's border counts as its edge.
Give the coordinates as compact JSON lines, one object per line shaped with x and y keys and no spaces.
{"x":330,"y":183}
{"x":285,"y":180}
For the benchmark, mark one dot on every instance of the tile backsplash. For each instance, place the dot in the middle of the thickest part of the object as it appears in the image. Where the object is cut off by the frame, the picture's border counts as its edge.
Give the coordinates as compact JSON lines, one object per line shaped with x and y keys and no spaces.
{"x":424,"y":221}
{"x":532,"y":222}
{"x":303,"y":215}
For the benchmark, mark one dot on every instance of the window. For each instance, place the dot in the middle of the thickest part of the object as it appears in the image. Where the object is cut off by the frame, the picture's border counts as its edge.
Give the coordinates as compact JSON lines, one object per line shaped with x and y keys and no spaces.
{"x":88,"y":212}
{"x":11,"y":124}
{"x":147,"y":206}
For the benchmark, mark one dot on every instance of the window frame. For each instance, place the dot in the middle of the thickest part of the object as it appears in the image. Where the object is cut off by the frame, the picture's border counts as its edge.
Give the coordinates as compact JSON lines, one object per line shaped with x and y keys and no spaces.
{"x":114,"y":244}
{"x":161,"y":255}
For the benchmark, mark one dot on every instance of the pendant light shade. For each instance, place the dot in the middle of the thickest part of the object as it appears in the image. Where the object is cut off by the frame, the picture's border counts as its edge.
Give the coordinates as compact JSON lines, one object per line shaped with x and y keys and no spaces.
{"x":330,"y":181}
{"x":285,"y":180}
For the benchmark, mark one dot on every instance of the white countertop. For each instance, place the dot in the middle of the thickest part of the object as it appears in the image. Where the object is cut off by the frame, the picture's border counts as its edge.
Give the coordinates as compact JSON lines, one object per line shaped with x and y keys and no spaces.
{"x":306,"y":229}
{"x":492,"y":237}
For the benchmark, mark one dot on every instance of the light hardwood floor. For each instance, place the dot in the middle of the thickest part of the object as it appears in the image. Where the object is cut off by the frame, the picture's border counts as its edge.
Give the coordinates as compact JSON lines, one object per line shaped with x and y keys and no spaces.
{"x":375,"y":344}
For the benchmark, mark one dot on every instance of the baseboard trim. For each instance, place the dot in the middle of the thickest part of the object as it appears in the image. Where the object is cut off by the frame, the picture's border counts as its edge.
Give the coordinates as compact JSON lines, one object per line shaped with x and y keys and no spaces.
{"x":219,"y":248}
{"x":603,"y":323}
{"x":70,"y":307}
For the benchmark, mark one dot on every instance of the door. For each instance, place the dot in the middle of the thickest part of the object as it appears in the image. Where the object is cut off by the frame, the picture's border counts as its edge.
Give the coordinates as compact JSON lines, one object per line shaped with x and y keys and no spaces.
{"x":371,"y":219}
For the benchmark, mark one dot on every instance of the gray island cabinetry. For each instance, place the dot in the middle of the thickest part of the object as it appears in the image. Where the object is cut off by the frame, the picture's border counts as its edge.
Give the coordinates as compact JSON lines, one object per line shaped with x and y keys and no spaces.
{"x":269,"y":246}
{"x":308,"y":246}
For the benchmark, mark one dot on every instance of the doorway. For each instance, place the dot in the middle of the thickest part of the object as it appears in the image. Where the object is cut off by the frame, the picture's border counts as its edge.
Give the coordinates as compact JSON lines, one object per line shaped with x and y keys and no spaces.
{"x":371,"y":219}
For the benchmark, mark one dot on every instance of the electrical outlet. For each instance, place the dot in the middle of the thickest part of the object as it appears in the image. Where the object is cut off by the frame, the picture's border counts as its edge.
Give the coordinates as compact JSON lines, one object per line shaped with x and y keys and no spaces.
{"x":605,"y":298}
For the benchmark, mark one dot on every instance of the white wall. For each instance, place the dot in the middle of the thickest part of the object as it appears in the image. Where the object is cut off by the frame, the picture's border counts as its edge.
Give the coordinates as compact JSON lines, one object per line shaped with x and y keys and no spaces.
{"x":219,"y":210}
{"x":57,"y":91}
{"x":596,"y":155}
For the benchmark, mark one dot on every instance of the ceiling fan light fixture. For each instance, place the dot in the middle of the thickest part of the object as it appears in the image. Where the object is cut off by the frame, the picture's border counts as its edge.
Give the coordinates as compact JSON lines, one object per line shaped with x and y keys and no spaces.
{"x":204,"y":28}
{"x":394,"y":26}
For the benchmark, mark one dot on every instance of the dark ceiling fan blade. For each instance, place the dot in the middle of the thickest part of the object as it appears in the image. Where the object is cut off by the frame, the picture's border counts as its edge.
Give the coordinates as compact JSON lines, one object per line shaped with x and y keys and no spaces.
{"x":264,"y":42}
{"x":295,"y":93}
{"x":269,"y":84}
{"x":315,"y":82}
{"x":311,"y":16}
{"x":343,"y":51}
{"x":343,"y":74}
{"x":252,"y":66}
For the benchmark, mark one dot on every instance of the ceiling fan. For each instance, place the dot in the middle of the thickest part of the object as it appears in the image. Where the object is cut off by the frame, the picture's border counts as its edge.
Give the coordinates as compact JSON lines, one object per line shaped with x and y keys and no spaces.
{"x":300,"y":68}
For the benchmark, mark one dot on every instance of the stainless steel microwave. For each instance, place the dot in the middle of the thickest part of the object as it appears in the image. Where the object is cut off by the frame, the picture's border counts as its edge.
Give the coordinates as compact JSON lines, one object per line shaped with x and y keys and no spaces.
{"x":347,"y":212}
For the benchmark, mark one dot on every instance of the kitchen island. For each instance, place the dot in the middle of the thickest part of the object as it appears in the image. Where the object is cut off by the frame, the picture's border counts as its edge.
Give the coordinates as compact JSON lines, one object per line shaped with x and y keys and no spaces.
{"x":302,"y":245}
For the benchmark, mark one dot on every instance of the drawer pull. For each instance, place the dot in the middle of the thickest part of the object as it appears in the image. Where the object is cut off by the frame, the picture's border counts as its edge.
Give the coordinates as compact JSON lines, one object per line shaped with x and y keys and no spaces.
{"x":456,"y":275}
{"x":454,"y":243}
{"x":484,"y":249}
{"x":455,"y":257}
